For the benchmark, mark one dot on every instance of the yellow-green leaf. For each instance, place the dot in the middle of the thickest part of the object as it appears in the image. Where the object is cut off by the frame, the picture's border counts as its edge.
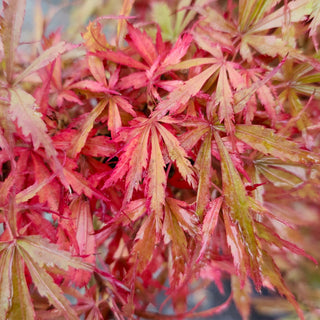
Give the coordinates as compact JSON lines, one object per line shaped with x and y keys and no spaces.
{"x":280,"y":178}
{"x":11,"y":25}
{"x":237,"y":206}
{"x":297,"y":10}
{"x":21,"y":305}
{"x":203,"y":166}
{"x":251,"y":11}
{"x":5,"y":280}
{"x":267,"y":141}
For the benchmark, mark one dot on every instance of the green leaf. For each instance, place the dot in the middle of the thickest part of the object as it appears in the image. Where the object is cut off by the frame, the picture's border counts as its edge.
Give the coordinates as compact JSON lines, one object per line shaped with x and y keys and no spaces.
{"x":267,"y":141}
{"x":280,"y":178}
{"x":237,"y":207}
{"x":162,"y":15}
{"x":251,"y":11}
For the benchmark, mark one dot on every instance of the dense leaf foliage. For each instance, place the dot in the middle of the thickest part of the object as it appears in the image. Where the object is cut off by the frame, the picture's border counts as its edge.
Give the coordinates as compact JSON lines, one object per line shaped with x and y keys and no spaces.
{"x":180,"y":150}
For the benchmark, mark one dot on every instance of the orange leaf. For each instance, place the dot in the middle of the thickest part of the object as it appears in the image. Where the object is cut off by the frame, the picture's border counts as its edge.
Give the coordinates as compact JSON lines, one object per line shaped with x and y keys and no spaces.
{"x":80,"y":139}
{"x":156,"y":176}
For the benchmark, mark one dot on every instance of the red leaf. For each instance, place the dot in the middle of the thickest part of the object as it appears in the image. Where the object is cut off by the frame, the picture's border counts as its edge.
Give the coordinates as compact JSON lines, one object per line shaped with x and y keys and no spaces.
{"x":143,"y":44}
{"x":81,"y":214}
{"x":133,"y":161}
{"x":121,"y":58}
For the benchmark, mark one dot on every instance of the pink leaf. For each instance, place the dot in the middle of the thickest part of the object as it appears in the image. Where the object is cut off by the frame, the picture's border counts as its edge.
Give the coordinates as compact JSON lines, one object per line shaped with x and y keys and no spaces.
{"x":209,"y":224}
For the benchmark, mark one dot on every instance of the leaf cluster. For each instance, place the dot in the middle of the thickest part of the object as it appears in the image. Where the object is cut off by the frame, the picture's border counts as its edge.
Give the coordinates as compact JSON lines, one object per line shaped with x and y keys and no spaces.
{"x":183,"y":148}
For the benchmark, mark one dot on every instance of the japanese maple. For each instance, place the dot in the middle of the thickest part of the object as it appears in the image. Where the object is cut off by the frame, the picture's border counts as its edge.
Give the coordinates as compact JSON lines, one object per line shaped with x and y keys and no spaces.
{"x":178,"y":150}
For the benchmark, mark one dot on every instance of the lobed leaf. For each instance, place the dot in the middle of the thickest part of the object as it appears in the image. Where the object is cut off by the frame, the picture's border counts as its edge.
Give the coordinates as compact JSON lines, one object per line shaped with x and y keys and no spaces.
{"x":80,"y":139}
{"x":224,"y":99}
{"x":252,"y":11}
{"x":297,"y":10}
{"x":40,"y":251}
{"x":81,"y":214}
{"x":6,"y":291}
{"x":22,"y":109}
{"x":132,"y":162}
{"x":80,"y":185}
{"x":203,"y":166}
{"x":270,"y":236}
{"x":47,"y":287}
{"x":267,"y":141}
{"x":11,"y":24}
{"x":156,"y":176}
{"x":272,"y":272}
{"x":209,"y":223}
{"x":180,"y":96}
{"x":237,"y":206}
{"x":144,"y":248}
{"x":177,"y":155}
{"x":175,"y":237}
{"x":94,"y":38}
{"x":21,"y":306}
{"x":186,"y":218}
